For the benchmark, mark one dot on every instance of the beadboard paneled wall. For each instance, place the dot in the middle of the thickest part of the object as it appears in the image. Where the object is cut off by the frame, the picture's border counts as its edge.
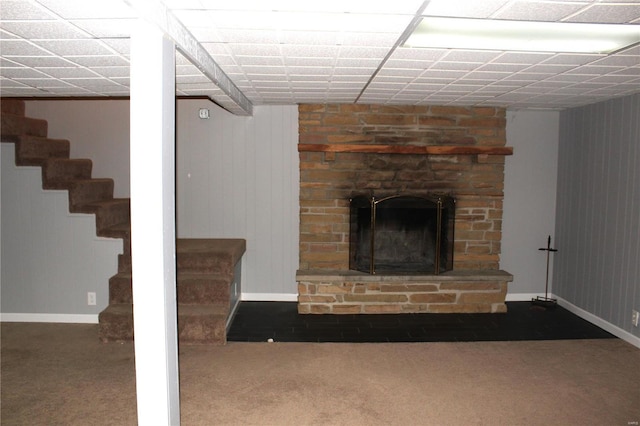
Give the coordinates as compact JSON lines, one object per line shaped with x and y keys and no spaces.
{"x":238,"y":177}
{"x":50,"y":258}
{"x":597,"y":267}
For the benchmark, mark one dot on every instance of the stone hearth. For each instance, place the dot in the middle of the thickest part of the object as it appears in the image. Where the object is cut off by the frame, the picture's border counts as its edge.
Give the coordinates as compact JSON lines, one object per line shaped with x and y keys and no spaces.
{"x":352,"y":292}
{"x":346,"y":150}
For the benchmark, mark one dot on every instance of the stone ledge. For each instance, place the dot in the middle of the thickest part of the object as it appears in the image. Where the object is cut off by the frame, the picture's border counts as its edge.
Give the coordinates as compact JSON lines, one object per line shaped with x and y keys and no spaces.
{"x":353,"y":292}
{"x":326,"y":275}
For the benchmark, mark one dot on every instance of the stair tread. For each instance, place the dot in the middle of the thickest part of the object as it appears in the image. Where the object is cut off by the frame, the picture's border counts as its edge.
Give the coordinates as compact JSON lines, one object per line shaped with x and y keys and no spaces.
{"x":37,"y":138}
{"x":208,"y":276}
{"x":200,"y":309}
{"x":210,"y":309}
{"x":233,"y":246}
{"x":93,"y":180}
{"x":112,"y":201}
{"x":95,"y":206}
{"x":187,"y":276}
{"x":119,"y":309}
{"x":119,"y":227}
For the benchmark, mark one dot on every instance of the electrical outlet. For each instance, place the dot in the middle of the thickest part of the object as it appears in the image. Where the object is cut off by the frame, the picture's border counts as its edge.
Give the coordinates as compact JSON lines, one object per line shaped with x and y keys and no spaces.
{"x":635,"y":317}
{"x":203,"y":113}
{"x":91,"y":298}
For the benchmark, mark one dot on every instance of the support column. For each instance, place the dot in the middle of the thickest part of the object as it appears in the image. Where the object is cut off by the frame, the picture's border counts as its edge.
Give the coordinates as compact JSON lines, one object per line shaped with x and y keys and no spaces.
{"x":153,"y":226}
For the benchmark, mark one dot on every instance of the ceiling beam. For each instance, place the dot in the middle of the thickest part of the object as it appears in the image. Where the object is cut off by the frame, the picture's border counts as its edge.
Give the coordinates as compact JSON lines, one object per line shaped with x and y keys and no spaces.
{"x":405,"y":34}
{"x":157,"y":13}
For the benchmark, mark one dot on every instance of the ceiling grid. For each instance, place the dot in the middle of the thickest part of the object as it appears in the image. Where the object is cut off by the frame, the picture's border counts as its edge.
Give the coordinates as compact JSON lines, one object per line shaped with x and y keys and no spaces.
{"x":284,"y":52}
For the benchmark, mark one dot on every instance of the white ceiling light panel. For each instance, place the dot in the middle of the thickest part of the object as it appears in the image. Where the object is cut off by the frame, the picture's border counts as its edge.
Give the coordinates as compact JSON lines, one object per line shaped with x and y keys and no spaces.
{"x":521,"y":36}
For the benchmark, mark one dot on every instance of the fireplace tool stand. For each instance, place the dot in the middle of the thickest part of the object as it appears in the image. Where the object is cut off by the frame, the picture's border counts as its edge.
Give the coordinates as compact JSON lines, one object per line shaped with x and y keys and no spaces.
{"x":546,"y":302}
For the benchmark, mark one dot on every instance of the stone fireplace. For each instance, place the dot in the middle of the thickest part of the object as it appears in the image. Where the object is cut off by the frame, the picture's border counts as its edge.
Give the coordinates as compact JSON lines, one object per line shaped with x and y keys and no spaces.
{"x":379,"y":152}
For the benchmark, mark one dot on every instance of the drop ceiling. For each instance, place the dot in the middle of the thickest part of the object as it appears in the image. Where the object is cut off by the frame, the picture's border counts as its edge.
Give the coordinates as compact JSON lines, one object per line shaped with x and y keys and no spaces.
{"x":332,"y":51}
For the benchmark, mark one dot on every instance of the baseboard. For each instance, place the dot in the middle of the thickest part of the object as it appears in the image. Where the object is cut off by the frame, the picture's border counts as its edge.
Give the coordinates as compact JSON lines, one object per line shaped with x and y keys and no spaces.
{"x":54,"y":318}
{"x":269,"y":297}
{"x":521,"y":297}
{"x":605,"y":325}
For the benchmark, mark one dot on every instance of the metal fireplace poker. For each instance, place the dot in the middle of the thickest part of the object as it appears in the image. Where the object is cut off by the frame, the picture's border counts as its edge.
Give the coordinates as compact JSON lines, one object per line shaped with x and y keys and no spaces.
{"x":546,"y":301}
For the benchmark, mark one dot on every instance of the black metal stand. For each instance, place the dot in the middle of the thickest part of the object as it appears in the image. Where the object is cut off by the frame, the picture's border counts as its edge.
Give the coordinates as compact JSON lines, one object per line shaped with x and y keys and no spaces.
{"x":546,"y":302}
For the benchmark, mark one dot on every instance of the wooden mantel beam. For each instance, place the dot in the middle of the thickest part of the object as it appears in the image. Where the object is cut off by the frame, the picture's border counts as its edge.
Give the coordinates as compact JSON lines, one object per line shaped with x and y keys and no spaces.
{"x":408,"y":149}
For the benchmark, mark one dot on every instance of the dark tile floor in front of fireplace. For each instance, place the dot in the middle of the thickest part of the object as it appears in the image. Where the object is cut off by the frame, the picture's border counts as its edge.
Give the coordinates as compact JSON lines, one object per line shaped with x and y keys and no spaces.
{"x":280,"y":321}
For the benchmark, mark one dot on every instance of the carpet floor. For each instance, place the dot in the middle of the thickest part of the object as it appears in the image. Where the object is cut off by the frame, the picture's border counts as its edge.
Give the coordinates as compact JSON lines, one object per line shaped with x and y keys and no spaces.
{"x":60,"y":374}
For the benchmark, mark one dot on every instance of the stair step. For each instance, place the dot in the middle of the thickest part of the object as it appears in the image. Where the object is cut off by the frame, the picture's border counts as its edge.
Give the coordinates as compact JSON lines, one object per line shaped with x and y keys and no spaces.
{"x":191,"y":289}
{"x":204,"y":289}
{"x":202,"y":324}
{"x":87,"y":191}
{"x":12,"y":106}
{"x":120,"y":288}
{"x":218,"y":256}
{"x":124,"y":261}
{"x":109,"y":213}
{"x":118,"y":230}
{"x":116,"y":323}
{"x":59,"y":173}
{"x":35,"y":151}
{"x":196,"y":323}
{"x":15,"y":126}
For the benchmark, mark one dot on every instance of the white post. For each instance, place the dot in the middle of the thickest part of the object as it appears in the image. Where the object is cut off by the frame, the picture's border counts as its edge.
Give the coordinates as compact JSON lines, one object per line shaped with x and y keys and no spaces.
{"x":153,"y":226}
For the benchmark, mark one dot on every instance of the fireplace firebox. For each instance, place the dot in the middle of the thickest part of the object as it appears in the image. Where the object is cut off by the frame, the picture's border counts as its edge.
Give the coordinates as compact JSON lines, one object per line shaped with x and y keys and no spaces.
{"x":401,"y":234}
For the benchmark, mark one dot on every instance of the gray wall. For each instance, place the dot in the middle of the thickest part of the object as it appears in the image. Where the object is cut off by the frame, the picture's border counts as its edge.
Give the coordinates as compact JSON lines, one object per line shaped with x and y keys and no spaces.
{"x":597,"y":267}
{"x":97,"y":129}
{"x":238,"y":178}
{"x":51,"y":259}
{"x":529,"y":200}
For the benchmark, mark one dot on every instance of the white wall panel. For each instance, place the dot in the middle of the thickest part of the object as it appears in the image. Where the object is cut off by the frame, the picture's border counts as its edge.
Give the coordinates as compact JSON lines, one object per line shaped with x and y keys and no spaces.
{"x":238,"y":178}
{"x":50,"y":258}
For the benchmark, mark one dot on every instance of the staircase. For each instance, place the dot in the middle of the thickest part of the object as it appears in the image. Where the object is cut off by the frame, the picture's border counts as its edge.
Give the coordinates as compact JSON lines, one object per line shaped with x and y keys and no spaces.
{"x":208,"y":270}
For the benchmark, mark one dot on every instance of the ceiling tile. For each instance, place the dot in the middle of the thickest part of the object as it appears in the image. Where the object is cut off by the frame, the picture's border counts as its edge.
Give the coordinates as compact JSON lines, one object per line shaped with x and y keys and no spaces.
{"x":464,"y":8}
{"x":71,"y":9}
{"x":618,"y":60}
{"x":42,"y":61}
{"x":68,"y":72}
{"x":23,"y":73}
{"x":45,"y":30}
{"x":502,"y":67}
{"x":75,"y":47}
{"x":571,"y":59}
{"x":111,"y":72}
{"x":522,"y":58}
{"x":538,"y":10}
{"x":476,"y":56}
{"x":612,"y":13}
{"x":291,"y":52}
{"x":24,"y":11}
{"x":548,"y":69}
{"x":21,"y":48}
{"x":99,"y":61}
{"x":455,"y":66}
{"x":108,"y":28}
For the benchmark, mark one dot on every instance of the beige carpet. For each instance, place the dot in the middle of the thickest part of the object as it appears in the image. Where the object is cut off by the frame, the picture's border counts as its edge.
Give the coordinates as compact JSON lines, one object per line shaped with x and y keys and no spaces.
{"x":57,"y":374}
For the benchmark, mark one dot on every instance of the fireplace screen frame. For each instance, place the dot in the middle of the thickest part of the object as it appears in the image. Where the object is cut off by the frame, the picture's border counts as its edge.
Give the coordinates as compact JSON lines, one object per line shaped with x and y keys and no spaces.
{"x":364,"y":213}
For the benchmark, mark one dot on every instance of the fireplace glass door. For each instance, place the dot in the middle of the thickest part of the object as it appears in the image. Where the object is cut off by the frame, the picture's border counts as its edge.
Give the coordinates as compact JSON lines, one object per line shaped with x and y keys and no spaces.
{"x":401,"y":234}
